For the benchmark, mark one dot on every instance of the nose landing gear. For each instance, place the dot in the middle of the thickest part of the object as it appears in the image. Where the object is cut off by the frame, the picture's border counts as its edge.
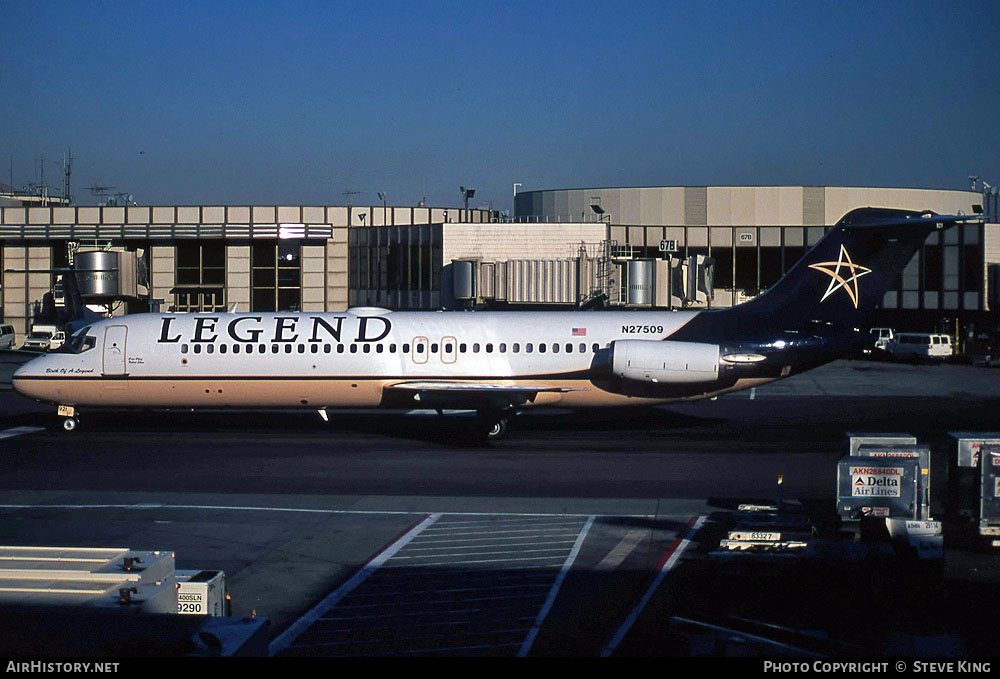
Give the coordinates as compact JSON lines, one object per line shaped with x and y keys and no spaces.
{"x":70,"y":418}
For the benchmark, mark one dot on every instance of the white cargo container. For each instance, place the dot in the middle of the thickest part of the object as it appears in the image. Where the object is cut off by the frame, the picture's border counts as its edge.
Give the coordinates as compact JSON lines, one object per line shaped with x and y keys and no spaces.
{"x":201,"y":593}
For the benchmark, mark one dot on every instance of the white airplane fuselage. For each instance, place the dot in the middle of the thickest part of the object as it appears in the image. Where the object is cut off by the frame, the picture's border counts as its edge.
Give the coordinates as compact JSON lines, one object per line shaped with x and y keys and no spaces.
{"x":315,"y":360}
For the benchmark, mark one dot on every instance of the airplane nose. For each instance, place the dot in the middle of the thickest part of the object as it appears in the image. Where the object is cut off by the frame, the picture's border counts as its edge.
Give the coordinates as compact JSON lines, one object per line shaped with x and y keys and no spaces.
{"x":17,"y":381}
{"x":22,"y":381}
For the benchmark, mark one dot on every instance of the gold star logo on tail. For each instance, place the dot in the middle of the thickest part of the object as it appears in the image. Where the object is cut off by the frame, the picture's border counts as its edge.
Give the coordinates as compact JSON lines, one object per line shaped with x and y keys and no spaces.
{"x":848,"y":280}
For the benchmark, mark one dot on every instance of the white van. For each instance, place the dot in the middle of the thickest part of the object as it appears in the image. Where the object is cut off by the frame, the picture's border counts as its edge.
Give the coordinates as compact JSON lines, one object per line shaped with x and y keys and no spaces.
{"x":7,"y":336}
{"x":920,"y":345}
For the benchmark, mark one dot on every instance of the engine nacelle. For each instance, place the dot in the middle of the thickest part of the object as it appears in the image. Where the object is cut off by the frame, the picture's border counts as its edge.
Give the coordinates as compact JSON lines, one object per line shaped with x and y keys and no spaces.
{"x":665,"y":362}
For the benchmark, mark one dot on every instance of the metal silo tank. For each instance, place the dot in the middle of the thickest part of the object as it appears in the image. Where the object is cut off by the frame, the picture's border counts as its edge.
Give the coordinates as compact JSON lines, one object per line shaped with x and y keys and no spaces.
{"x":97,"y":274}
{"x":640,"y":282}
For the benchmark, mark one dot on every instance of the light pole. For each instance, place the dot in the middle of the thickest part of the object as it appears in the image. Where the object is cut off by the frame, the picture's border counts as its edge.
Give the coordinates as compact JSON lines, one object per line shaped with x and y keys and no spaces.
{"x":381,"y":195}
{"x":467,"y":193}
{"x":595,"y":206}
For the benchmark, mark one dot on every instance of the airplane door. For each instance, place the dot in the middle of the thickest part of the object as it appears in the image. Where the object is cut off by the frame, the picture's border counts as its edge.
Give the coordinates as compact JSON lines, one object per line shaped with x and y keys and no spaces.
{"x":114,"y":350}
{"x":420,"y":350}
{"x":449,"y":349}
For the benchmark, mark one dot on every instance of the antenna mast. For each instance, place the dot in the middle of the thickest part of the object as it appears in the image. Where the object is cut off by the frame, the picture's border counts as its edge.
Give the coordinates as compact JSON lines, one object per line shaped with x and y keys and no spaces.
{"x":67,"y":171}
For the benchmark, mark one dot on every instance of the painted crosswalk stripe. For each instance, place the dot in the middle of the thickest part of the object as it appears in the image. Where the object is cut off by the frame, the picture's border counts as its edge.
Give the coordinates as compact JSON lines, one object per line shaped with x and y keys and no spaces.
{"x":289,"y":635}
{"x":533,"y":633}
{"x":668,"y":562}
{"x":617,"y":555}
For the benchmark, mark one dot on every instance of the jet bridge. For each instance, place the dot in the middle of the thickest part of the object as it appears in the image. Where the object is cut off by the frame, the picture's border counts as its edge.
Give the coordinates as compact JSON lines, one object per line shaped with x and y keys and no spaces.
{"x":608,"y":274}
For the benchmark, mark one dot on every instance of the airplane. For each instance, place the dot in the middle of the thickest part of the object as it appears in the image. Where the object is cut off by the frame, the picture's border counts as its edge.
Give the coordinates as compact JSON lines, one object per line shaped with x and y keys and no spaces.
{"x":494,"y":363}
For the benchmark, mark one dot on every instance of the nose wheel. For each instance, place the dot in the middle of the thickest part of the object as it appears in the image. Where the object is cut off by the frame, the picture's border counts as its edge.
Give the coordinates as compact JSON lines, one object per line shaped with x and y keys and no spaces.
{"x":70,"y":418}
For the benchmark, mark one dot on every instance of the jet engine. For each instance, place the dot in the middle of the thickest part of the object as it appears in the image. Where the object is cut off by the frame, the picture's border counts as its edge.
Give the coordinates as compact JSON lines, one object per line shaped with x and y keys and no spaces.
{"x":664,"y":362}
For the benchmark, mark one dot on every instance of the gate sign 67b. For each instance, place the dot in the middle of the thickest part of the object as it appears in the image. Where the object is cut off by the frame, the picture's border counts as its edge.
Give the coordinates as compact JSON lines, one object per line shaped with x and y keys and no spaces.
{"x":668,"y":245}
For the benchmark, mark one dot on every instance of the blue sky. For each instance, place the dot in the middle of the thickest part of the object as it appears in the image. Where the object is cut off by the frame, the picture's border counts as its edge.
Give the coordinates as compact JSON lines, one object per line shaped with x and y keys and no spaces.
{"x":298,"y":102}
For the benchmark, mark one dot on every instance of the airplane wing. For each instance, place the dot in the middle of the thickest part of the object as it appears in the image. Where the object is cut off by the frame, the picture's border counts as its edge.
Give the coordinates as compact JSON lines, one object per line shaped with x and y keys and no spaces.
{"x":469,"y":395}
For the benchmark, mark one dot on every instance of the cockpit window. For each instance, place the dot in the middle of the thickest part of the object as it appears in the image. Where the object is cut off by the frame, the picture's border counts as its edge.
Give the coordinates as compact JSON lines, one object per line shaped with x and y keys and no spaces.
{"x":79,"y":342}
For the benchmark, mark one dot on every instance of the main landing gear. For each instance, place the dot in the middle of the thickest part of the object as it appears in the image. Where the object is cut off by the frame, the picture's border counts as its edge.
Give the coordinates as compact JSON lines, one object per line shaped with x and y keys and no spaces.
{"x":493,"y":426}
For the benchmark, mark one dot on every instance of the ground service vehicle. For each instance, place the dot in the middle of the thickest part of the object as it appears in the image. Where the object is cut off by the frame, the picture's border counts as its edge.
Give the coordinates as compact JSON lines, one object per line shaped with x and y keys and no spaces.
{"x":880,"y":337}
{"x":916,"y":345}
{"x":7,"y":336}
{"x":44,"y":338}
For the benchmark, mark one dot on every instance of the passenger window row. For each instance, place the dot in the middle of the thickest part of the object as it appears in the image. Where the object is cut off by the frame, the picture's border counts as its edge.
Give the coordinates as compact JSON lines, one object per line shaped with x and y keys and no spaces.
{"x":367,"y":348}
{"x":515,"y":348}
{"x":290,"y":348}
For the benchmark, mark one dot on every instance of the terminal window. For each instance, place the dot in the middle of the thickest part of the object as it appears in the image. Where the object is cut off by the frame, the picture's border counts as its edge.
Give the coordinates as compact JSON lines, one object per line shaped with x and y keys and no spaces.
{"x":276,"y":276}
{"x":201,"y":276}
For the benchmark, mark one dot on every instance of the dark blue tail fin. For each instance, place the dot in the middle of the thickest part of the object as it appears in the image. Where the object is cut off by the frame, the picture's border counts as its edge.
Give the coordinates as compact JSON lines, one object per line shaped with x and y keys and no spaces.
{"x":842,"y":279}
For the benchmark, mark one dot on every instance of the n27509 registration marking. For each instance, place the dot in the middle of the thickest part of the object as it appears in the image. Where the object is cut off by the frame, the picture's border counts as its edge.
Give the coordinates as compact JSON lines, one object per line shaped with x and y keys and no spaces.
{"x":633,"y":329}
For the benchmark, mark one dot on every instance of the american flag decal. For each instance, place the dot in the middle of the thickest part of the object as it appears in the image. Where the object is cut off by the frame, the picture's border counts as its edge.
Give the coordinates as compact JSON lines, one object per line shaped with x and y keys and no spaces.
{"x":579,"y":332}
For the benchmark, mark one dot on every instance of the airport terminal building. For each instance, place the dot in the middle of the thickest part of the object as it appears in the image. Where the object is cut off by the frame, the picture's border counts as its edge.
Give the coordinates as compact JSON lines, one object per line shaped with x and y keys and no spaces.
{"x":205,"y":258}
{"x":643,"y":247}
{"x":755,"y":234}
